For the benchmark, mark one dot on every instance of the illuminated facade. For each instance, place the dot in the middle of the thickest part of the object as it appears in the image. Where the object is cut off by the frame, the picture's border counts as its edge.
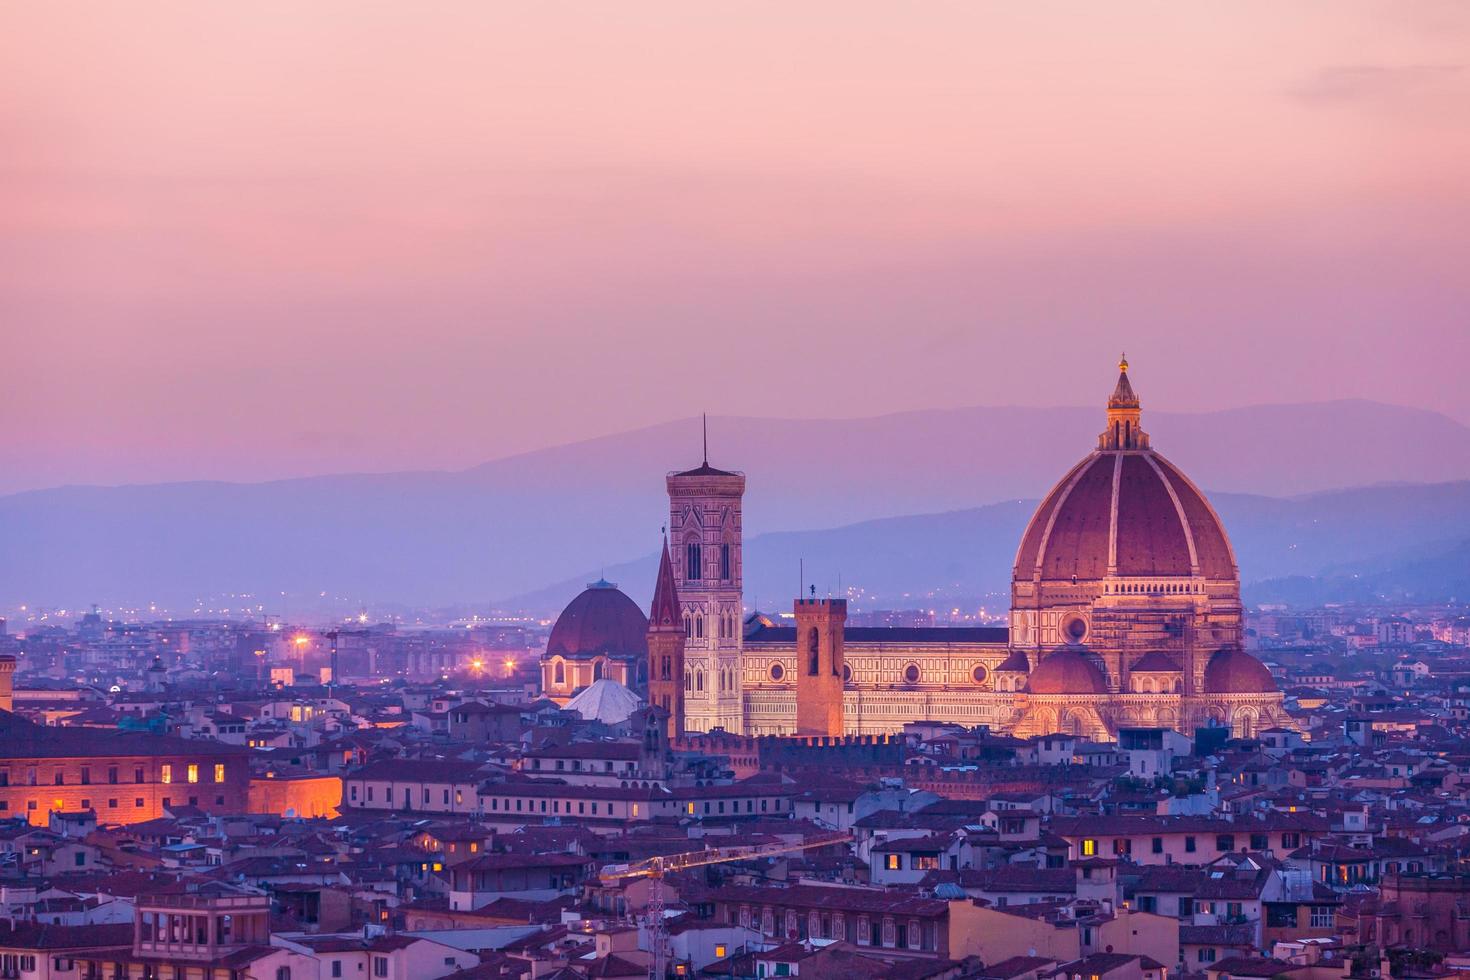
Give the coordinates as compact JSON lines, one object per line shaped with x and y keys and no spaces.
{"x":124,"y":777}
{"x":1125,"y":611}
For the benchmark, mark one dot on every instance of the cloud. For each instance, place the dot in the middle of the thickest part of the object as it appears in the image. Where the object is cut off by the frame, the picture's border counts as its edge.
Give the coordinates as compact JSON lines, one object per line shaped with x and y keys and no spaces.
{"x":1339,"y":84}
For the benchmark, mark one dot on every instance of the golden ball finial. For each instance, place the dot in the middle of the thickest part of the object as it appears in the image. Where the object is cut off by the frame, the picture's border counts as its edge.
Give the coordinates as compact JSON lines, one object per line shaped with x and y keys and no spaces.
{"x":1123,"y":364}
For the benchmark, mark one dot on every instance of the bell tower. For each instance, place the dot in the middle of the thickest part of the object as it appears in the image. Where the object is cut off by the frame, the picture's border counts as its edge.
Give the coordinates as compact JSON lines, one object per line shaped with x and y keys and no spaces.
{"x":666,"y":647}
{"x":705,"y":539}
{"x":819,"y":666}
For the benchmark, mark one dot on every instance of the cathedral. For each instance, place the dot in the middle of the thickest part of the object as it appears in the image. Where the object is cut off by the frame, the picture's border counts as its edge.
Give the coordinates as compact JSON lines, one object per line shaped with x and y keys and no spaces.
{"x":1125,"y":612}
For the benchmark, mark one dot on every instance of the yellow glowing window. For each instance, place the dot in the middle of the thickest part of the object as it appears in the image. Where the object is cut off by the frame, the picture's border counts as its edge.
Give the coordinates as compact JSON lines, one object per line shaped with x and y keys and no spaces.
{"x":689,"y":807}
{"x":193,"y":772}
{"x":219,"y":772}
{"x":438,"y":866}
{"x":893,"y":862}
{"x":1089,"y":847}
{"x":474,"y":847}
{"x":635,"y":809}
{"x":167,"y":775}
{"x":720,"y":951}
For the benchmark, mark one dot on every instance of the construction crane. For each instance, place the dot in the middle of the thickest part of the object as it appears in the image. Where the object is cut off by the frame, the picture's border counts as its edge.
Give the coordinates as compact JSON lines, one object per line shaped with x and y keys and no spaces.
{"x":655,"y":868}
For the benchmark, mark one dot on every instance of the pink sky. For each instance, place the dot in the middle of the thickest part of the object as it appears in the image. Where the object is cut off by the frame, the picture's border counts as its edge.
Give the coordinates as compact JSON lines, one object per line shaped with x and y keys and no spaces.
{"x":245,"y":240}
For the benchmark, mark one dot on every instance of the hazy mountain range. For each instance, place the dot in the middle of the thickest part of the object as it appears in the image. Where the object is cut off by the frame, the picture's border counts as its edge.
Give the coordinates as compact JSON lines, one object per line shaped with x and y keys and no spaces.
{"x":1411,"y":540}
{"x":838,"y":493}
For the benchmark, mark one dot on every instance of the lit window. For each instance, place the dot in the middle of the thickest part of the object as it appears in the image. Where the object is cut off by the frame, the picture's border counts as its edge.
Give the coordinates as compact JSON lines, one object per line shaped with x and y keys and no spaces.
{"x":193,"y":772}
{"x":1089,"y":847}
{"x":219,"y":772}
{"x":167,"y":775}
{"x":892,"y":863}
{"x":720,"y":951}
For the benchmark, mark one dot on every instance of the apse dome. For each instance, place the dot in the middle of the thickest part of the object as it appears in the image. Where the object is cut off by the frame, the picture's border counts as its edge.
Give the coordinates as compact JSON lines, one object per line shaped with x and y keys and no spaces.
{"x":1066,"y":671}
{"x":1233,"y":671}
{"x":600,"y":622}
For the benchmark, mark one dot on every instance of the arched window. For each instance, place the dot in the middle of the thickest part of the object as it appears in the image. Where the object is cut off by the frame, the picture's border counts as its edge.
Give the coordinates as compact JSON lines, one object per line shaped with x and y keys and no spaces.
{"x":597,"y":670}
{"x":693,"y":567}
{"x":813,"y":645}
{"x":688,"y":681}
{"x":558,"y":672}
{"x":688,"y":627}
{"x":725,"y":568}
{"x":699,"y":680}
{"x":698,"y":626}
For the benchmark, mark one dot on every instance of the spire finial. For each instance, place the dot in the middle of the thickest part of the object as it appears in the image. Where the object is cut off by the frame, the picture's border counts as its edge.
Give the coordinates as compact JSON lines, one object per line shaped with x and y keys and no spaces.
{"x":704,"y":427}
{"x":1123,"y":363}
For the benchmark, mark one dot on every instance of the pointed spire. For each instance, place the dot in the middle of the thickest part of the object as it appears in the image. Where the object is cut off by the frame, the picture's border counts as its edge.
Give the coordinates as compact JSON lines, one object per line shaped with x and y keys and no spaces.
{"x":664,"y":613}
{"x":1123,"y":396}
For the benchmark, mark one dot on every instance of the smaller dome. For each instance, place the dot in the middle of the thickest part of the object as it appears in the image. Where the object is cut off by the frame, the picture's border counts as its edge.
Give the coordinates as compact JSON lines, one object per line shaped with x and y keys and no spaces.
{"x":1233,"y":671}
{"x":1066,"y":672}
{"x":602,"y":621}
{"x":606,"y":701}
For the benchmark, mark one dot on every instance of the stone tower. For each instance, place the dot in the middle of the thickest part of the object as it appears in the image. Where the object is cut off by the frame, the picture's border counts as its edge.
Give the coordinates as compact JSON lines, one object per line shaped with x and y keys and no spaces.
{"x":704,"y":535}
{"x":666,"y":647}
{"x":819,"y":666}
{"x":7,"y":682}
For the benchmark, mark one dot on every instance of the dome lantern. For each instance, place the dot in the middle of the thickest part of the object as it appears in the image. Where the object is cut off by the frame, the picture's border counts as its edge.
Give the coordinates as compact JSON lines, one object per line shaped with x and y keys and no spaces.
{"x":1124,"y":430}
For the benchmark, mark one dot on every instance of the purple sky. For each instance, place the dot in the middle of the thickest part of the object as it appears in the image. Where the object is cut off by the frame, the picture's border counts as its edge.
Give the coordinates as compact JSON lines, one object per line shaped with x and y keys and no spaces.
{"x":244,"y":241}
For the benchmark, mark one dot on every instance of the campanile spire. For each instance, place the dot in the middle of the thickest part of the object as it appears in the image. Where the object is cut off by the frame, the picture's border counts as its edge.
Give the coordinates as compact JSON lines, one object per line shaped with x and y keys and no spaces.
{"x":1124,"y":430}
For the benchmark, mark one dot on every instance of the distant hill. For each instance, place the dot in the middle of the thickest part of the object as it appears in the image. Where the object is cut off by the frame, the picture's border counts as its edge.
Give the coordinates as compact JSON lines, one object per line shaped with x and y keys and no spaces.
{"x":1288,"y":549}
{"x":508,"y":526}
{"x":1431,"y":573}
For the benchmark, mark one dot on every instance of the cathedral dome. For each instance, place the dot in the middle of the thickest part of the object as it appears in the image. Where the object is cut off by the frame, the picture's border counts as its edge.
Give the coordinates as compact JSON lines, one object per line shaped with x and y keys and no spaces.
{"x":1233,"y":671}
{"x":602,"y":621}
{"x":1124,"y":511}
{"x":1066,"y":671}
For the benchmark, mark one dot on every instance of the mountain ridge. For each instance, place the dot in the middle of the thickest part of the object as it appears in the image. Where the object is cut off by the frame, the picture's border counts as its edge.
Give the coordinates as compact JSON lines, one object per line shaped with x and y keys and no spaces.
{"x":507,"y":527}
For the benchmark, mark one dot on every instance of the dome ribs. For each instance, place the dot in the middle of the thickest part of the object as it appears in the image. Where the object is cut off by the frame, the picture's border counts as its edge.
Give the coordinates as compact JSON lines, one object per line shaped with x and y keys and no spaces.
{"x":1151,"y":537}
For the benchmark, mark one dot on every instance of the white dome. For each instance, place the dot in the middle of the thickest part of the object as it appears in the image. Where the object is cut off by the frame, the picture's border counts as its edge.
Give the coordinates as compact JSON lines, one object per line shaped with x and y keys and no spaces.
{"x":606,"y":701}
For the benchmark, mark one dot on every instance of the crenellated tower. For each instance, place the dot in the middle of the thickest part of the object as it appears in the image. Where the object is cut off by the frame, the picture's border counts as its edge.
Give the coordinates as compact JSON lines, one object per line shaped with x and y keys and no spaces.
{"x":705,"y":538}
{"x":666,"y":646}
{"x":820,"y":627}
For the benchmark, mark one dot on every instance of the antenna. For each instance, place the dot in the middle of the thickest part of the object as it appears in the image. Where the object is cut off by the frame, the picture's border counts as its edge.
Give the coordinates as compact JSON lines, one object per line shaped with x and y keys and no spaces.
{"x":704,"y":426}
{"x":800,"y":577}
